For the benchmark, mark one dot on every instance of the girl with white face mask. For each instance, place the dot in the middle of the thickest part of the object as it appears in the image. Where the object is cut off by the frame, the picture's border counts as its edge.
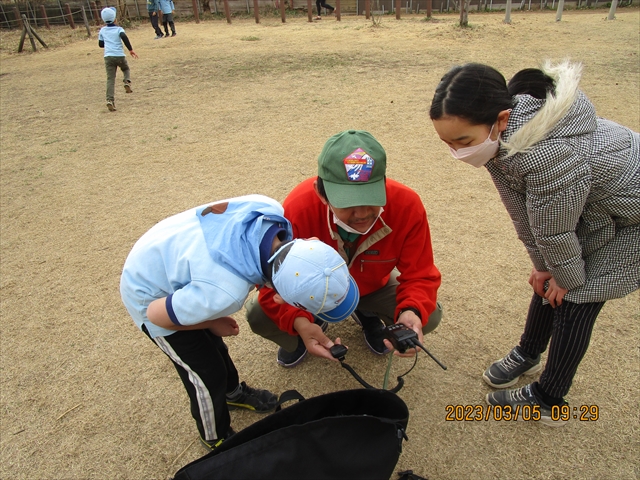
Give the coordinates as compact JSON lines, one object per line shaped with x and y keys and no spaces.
{"x":571,"y":184}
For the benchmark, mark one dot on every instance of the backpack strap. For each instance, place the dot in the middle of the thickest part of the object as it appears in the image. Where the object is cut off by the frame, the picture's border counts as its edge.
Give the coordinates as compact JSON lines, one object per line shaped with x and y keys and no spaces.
{"x":409,"y":475}
{"x":287,"y":397}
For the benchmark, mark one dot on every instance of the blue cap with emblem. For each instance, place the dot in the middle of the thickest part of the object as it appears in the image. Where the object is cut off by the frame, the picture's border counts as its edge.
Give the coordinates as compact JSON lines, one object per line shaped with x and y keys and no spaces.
{"x":314,"y":277}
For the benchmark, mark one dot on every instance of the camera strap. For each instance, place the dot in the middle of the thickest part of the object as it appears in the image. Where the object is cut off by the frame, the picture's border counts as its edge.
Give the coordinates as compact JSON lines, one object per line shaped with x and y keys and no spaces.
{"x":362,"y":382}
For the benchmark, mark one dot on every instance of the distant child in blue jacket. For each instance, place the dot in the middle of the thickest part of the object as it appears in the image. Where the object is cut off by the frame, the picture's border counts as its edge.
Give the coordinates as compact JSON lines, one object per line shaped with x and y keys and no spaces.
{"x":167,"y":8}
{"x":152,"y":8}
{"x":111,"y":38}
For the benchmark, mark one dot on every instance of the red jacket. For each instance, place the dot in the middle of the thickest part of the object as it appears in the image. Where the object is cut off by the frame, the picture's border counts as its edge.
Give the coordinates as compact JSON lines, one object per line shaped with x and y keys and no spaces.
{"x":400,"y":240}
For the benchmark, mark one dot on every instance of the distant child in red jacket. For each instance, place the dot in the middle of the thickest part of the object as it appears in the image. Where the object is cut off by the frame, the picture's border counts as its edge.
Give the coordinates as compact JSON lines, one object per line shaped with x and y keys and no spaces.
{"x":380,"y":228}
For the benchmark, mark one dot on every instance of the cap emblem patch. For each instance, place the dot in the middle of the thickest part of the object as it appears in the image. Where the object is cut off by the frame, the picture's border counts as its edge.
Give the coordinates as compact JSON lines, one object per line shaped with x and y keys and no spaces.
{"x":358,"y":166}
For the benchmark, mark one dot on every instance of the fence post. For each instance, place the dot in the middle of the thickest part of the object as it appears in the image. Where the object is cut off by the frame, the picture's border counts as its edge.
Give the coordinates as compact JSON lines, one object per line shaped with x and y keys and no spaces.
{"x":256,"y":10}
{"x":43,"y":12}
{"x":309,"y":11}
{"x":86,"y":22}
{"x":226,"y":11}
{"x":367,"y":8}
{"x":429,"y":8}
{"x":16,"y":14}
{"x":196,"y":13}
{"x":68,"y":10}
{"x":27,"y":30}
{"x":283,"y":13}
{"x":399,"y":7}
{"x":96,"y":17}
{"x":338,"y":10}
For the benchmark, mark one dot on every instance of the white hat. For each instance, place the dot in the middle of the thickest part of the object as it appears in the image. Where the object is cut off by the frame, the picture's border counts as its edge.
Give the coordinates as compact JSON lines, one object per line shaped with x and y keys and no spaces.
{"x":315,"y":278}
{"x":108,"y":14}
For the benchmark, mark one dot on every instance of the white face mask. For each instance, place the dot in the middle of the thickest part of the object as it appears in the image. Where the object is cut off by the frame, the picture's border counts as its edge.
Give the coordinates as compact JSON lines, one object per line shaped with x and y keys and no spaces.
{"x":480,"y":154}
{"x":347,"y":228}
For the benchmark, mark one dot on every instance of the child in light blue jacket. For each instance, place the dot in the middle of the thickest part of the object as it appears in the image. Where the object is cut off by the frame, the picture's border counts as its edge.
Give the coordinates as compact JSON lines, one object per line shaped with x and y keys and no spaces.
{"x":189,"y":272}
{"x":111,"y":38}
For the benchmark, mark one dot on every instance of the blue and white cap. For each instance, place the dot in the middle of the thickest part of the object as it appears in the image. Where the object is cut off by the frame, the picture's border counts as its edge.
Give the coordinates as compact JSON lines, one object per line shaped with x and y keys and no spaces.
{"x":315,"y":278}
{"x":108,"y":14}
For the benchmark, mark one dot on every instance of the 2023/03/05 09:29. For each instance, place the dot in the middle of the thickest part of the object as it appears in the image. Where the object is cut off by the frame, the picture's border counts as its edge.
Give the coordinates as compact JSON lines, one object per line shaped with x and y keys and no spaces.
{"x":479,"y":413}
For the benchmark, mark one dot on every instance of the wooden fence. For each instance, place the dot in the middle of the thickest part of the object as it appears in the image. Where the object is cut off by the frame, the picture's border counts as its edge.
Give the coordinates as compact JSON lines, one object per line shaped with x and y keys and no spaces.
{"x":54,"y":12}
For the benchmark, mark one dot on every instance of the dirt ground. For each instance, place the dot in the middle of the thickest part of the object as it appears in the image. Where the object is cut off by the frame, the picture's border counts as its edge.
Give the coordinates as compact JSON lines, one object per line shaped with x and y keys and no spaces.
{"x":224,"y":110}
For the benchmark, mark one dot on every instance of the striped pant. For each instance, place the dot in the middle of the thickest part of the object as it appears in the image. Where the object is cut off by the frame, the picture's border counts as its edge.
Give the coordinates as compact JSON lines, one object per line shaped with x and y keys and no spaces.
{"x":208,"y":374}
{"x":569,"y":327}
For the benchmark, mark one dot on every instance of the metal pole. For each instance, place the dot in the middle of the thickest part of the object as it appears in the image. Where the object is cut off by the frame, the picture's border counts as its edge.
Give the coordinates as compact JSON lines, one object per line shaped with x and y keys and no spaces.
{"x":612,"y":10}
{"x":6,"y":20}
{"x":559,"y":12}
{"x":62,"y":12}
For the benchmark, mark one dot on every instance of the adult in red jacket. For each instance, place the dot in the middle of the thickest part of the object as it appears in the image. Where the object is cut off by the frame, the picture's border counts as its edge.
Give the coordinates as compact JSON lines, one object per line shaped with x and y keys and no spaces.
{"x":380,"y":228}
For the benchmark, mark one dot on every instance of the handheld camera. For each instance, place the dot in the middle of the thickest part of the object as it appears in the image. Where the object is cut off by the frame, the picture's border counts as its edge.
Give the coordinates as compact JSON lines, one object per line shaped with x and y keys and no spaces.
{"x":403,"y":338}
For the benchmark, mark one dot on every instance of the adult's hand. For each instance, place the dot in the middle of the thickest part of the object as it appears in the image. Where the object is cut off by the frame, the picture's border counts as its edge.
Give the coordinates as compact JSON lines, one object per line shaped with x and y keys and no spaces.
{"x":409,"y":319}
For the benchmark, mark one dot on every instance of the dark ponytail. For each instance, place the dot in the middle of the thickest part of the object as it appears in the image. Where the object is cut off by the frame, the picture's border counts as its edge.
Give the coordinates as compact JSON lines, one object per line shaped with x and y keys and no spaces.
{"x":532,"y":81}
{"x":475,"y":92}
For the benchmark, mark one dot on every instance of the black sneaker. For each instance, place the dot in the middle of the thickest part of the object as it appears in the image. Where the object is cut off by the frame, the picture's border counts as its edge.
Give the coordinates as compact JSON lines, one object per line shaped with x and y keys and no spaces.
{"x":211,"y":445}
{"x":291,"y":359}
{"x":372,"y":328}
{"x":173,"y":34}
{"x":524,"y":397}
{"x":505,"y":372}
{"x":260,"y":401}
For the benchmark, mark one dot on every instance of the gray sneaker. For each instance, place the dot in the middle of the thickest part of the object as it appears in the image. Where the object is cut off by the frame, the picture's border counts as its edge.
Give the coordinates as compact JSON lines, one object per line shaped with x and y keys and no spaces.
{"x":505,"y":372}
{"x":524,"y":406}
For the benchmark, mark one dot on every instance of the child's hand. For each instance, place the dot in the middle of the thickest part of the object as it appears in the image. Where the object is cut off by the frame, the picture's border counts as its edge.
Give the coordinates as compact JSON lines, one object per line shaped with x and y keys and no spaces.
{"x":224,"y":327}
{"x":133,"y":54}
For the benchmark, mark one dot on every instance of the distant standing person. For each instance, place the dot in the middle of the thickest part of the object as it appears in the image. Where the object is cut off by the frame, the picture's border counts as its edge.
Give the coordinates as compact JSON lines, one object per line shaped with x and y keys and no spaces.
{"x":167,"y":8}
{"x":111,"y":38}
{"x":152,"y":8}
{"x":319,"y":5}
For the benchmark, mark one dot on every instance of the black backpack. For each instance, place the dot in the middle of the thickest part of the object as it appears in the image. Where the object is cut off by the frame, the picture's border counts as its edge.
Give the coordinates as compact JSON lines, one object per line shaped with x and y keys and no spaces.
{"x":350,"y":434}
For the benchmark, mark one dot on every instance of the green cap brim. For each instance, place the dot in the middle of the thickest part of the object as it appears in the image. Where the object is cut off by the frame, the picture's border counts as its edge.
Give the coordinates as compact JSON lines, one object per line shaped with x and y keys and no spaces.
{"x":356,"y":195}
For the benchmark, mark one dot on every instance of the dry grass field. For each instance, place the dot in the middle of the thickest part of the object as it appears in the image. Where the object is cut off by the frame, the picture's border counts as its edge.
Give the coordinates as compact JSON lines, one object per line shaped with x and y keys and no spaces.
{"x":223,"y":110}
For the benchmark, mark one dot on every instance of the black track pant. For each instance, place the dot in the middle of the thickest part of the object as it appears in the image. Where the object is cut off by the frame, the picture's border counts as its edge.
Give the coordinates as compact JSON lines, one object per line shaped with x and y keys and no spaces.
{"x":569,"y":327}
{"x":322,"y":3}
{"x":208,"y":374}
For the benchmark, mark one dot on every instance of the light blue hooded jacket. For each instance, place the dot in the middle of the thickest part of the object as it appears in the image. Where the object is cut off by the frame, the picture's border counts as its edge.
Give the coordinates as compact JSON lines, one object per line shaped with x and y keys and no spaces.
{"x":207,"y":264}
